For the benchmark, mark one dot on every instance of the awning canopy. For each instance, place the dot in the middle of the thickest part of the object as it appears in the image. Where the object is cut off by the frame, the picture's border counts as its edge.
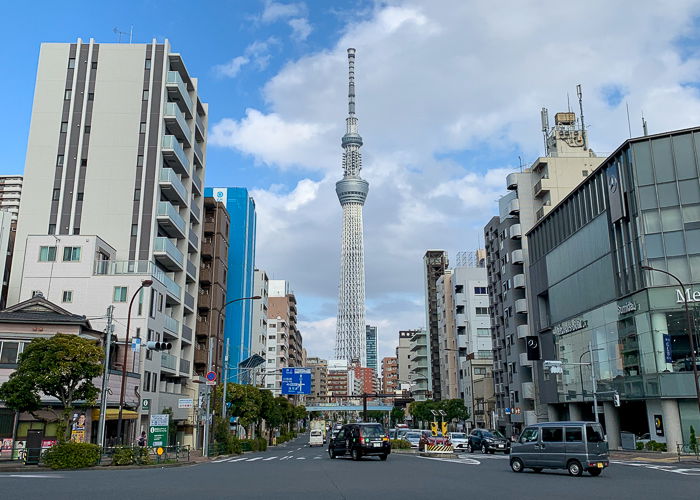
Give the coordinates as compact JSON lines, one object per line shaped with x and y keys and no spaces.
{"x":113,"y":414}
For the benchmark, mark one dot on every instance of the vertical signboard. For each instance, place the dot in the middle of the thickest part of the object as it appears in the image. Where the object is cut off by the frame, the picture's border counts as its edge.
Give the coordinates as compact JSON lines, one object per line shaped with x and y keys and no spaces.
{"x":533,"y":348}
{"x":615,"y":193}
{"x":158,"y":430}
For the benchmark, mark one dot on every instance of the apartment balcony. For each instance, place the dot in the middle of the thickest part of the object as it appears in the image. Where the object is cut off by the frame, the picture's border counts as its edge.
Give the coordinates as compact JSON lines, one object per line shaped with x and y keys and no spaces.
{"x":167,"y":254}
{"x":177,"y":124}
{"x":528,"y":390}
{"x":172,"y":326}
{"x":177,"y":92}
{"x":199,"y":128}
{"x":205,"y":300}
{"x":189,"y":302}
{"x":171,"y":186}
{"x":186,"y":334}
{"x":170,"y":221}
{"x":202,"y":328}
{"x":512,"y":181}
{"x":514,"y":207}
{"x":207,"y":250}
{"x":185,"y":369}
{"x":521,"y":306}
{"x":195,"y":213}
{"x":191,"y":271}
{"x":209,"y":225}
{"x":174,"y":291}
{"x":515,"y":231}
{"x":519,"y":281}
{"x":542,"y":187}
{"x":205,"y":274}
{"x":192,"y":242}
{"x":517,"y":256}
{"x":523,"y":331}
{"x":198,"y":154}
{"x":174,"y":156}
{"x":196,"y":184}
{"x":201,"y":356}
{"x":168,"y":363}
{"x":523,"y":360}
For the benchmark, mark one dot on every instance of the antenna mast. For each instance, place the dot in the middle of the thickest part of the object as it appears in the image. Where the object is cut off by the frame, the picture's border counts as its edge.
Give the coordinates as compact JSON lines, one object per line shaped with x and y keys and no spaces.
{"x":644,"y":125}
{"x":544,"y":115}
{"x":579,"y":93}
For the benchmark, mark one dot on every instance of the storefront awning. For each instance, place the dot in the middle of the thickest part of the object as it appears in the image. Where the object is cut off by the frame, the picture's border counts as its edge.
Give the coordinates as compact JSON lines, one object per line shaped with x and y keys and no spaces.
{"x":113,"y":414}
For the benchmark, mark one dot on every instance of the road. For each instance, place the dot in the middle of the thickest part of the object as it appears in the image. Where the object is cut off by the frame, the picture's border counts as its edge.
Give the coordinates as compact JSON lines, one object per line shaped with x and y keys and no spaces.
{"x":295,"y":471}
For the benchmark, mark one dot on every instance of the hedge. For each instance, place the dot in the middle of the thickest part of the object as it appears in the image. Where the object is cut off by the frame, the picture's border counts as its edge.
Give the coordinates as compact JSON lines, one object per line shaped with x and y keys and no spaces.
{"x":70,"y":455}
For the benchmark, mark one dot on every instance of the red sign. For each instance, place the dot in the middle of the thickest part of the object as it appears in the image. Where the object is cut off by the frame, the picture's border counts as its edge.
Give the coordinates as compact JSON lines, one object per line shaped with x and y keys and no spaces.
{"x":211,"y":376}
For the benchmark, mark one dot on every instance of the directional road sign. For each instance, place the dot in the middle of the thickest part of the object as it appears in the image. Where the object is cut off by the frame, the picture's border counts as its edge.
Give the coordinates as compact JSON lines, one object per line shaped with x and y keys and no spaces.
{"x":296,"y":380}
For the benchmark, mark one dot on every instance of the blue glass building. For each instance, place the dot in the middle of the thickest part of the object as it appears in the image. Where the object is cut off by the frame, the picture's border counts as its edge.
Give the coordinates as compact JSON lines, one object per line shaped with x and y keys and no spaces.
{"x":241,"y":264}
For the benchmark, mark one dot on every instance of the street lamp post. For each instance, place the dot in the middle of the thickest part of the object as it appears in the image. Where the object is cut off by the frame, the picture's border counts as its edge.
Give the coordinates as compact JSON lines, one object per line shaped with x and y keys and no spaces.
{"x":120,"y":422}
{"x":689,"y":328}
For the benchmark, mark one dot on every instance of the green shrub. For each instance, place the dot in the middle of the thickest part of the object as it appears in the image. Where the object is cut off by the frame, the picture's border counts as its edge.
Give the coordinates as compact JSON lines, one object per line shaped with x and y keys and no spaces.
{"x":143,"y":456}
{"x":123,"y":455}
{"x":693,"y":441}
{"x":400,"y":444}
{"x":654,"y":446}
{"x":649,"y":446}
{"x":640,"y":446}
{"x":70,"y":455}
{"x":233,"y":445}
{"x":262,"y":443}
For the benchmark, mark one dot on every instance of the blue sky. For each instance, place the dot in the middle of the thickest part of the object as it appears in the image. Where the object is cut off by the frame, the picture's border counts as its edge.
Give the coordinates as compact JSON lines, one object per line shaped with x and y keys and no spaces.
{"x":448,"y":97}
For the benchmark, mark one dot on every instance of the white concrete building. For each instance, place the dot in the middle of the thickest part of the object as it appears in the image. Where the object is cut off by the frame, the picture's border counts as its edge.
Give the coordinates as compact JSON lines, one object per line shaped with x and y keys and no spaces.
{"x":116,"y":151}
{"x":10,"y":194}
{"x":419,"y":375}
{"x":258,"y":341}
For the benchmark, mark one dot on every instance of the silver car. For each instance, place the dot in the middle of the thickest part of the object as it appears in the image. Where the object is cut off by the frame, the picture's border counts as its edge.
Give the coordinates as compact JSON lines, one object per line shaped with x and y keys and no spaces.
{"x":574,"y":446}
{"x":459,"y":440}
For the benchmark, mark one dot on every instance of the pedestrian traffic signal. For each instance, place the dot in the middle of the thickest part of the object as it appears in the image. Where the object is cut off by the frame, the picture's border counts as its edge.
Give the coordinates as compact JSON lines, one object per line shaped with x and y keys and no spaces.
{"x":616,"y":399}
{"x":158,"y":346}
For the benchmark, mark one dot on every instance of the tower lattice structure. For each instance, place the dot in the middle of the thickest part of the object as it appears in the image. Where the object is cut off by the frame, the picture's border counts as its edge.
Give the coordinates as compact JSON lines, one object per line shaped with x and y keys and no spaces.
{"x":350,"y":340}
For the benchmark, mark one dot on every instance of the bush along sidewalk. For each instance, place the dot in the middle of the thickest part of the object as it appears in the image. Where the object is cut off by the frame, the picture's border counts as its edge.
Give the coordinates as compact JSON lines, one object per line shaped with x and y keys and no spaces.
{"x":70,"y":455}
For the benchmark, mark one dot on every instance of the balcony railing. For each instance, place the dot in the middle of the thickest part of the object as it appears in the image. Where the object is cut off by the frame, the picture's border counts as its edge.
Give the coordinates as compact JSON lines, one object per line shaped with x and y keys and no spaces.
{"x":172,"y":187}
{"x":168,"y":254}
{"x":194,"y":208}
{"x":147,"y":267}
{"x":191,"y":269}
{"x":189,"y":301}
{"x":193,"y":240}
{"x":168,"y":361}
{"x":198,"y":154}
{"x":171,"y":221}
{"x":177,"y":90}
{"x":184,"y":366}
{"x":174,"y":155}
{"x":177,"y":122}
{"x":186,"y":333}
{"x":197,"y":183}
{"x":172,"y":325}
{"x":200,"y":128}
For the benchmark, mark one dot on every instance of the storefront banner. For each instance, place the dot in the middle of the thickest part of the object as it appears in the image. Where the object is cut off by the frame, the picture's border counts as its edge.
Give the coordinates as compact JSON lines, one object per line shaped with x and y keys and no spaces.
{"x":6,"y":448}
{"x":668,"y":349}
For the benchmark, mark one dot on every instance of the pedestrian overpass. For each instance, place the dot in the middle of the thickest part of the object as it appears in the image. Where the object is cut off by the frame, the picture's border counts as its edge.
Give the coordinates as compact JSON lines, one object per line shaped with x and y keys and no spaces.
{"x":349,"y":407}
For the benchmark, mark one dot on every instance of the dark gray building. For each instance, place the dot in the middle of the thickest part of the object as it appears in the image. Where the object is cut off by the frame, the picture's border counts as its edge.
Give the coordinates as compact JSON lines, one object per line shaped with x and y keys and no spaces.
{"x":371,"y":343}
{"x":641,"y":207}
{"x":434,"y":265}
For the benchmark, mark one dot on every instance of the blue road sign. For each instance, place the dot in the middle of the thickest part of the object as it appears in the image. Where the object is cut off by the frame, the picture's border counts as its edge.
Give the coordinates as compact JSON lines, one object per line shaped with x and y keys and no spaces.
{"x":296,"y":380}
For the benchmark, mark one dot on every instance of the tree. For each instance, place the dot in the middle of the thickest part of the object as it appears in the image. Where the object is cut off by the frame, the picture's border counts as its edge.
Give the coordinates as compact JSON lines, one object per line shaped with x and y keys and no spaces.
{"x":398,"y":415}
{"x":693,"y":440}
{"x":376,"y":415}
{"x":61,"y":367}
{"x":245,"y":403}
{"x":455,"y":409}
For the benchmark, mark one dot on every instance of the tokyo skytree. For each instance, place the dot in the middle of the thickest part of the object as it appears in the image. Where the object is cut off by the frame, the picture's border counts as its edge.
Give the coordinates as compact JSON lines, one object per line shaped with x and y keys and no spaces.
{"x":350,"y":341}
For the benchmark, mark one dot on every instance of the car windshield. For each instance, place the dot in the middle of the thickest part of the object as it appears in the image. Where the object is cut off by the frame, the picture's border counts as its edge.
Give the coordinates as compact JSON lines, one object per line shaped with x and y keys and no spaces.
{"x":315,"y":433}
{"x":458,"y":435}
{"x":493,"y":434}
{"x":412,"y":435}
{"x":372,"y":431}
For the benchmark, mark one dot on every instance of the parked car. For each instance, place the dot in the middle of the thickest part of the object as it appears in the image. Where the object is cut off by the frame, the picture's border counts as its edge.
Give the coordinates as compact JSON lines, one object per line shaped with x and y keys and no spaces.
{"x":427,"y":438}
{"x":459,"y":440}
{"x":487,"y":441}
{"x":413,"y":438}
{"x":359,"y":440}
{"x":575,"y":446}
{"x":316,"y":438}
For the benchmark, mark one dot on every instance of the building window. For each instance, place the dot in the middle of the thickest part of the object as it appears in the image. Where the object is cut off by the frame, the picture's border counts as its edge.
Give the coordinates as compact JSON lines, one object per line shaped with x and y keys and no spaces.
{"x":76,"y":230}
{"x":154,"y":387}
{"x":483,"y":332}
{"x":67,"y":296}
{"x":47,"y":254}
{"x":134,"y":229}
{"x":64,"y":127}
{"x":482,"y":311}
{"x":94,"y":64}
{"x":584,"y":173}
{"x":145,"y":95}
{"x":91,"y":96}
{"x":147,"y":381}
{"x":139,"y":161}
{"x":119,"y":294}
{"x":71,"y":63}
{"x":148,"y":64}
{"x":459,"y":288}
{"x":142,"y":128}
{"x":480,"y":290}
{"x":137,"y":194}
{"x":86,"y":129}
{"x":460,"y":309}
{"x":67,"y":96}
{"x":56,"y":194}
{"x":80,"y":196}
{"x":9,"y":352}
{"x":71,"y":254}
{"x":59,"y":161}
{"x":52,"y":229}
{"x":83,"y":162}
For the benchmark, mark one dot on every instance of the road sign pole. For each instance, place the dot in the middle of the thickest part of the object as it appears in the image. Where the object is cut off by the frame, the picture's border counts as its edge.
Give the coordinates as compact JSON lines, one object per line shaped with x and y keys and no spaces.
{"x":225,"y":381}
{"x":205,"y":445}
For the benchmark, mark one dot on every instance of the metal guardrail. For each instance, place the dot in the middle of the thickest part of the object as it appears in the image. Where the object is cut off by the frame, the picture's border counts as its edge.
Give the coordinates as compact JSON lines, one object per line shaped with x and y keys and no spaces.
{"x":688,"y":450}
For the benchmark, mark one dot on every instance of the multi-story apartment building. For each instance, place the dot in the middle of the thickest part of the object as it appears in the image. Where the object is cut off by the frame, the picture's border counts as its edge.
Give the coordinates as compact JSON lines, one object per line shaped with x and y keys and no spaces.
{"x":338,"y":378}
{"x":241,"y":266}
{"x":258,"y":343}
{"x":434,"y":265}
{"x":403,"y":356}
{"x":10,"y":194}
{"x":276,"y":356}
{"x":371,"y":346}
{"x":319,"y":379}
{"x":420,"y":374}
{"x":113,"y":178}
{"x":534,"y":192}
{"x":366,"y":377}
{"x":447,"y":338}
{"x":213,"y":269}
{"x":8,"y":229}
{"x":284,"y":342}
{"x":612,"y":268}
{"x":390,"y":375}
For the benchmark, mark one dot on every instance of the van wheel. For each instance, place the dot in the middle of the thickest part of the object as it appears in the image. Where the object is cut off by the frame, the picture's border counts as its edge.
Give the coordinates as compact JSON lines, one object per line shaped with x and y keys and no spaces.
{"x":356,"y":455}
{"x":574,"y":468}
{"x":595,"y":471}
{"x":517,"y":465}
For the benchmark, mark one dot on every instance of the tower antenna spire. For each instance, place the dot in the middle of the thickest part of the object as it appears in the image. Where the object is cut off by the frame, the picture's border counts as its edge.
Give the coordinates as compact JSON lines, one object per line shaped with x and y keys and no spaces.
{"x":351,"y":82}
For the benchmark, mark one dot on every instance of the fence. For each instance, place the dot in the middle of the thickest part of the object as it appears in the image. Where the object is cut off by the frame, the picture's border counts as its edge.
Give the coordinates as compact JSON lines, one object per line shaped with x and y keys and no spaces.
{"x":686,"y":451}
{"x":169,"y":454}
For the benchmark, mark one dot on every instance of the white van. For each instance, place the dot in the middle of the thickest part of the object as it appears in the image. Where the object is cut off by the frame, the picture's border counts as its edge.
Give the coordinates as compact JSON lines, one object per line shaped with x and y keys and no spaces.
{"x":316,"y":438}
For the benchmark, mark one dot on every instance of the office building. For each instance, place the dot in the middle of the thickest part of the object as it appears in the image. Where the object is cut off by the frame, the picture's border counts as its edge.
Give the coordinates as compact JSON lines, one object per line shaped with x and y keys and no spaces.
{"x":338,"y":378}
{"x":533,"y":193}
{"x":435,"y":263}
{"x":10,"y":194}
{"x":8,"y":228}
{"x":241,"y":267}
{"x":602,"y":267}
{"x":113,"y":182}
{"x":390,"y":375}
{"x":366,"y":377}
{"x":403,"y":356}
{"x":319,"y":380}
{"x":211,"y":313}
{"x":371,"y":343}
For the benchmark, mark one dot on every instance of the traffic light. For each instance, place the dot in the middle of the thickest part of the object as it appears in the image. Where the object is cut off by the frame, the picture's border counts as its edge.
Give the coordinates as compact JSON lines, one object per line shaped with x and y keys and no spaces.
{"x":158,"y":346}
{"x":616,"y":399}
{"x":444,"y":428}
{"x":434,"y":428}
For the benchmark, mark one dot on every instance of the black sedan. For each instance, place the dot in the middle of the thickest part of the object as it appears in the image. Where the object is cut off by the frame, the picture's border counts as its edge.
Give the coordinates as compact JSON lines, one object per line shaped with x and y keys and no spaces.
{"x":487,"y":441}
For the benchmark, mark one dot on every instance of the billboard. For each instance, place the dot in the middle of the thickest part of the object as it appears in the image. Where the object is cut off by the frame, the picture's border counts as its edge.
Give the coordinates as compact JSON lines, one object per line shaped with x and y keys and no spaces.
{"x":296,"y":380}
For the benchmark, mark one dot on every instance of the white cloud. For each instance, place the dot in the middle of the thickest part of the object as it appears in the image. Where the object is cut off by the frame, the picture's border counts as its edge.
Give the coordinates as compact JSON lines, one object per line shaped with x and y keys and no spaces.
{"x":233,"y":67}
{"x":441,"y":87}
{"x":301,"y":29}
{"x":257,"y":53}
{"x":274,"y":11}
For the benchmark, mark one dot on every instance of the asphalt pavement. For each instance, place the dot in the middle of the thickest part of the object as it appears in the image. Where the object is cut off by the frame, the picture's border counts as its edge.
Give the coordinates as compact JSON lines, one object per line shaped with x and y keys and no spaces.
{"x":295,"y":471}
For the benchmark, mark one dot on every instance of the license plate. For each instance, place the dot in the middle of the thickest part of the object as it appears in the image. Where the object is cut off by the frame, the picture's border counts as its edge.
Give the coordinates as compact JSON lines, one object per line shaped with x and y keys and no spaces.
{"x":500,"y":446}
{"x":600,"y":465}
{"x":376,"y":445}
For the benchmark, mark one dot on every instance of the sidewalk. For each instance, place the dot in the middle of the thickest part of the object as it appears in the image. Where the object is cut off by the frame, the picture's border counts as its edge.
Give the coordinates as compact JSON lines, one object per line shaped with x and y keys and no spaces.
{"x":652,"y":457}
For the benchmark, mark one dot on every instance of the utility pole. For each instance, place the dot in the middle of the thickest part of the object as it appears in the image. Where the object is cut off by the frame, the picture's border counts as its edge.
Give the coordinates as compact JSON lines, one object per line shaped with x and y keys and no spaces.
{"x":208,"y":416}
{"x":105,"y":378}
{"x":225,"y":381}
{"x":595,"y":385}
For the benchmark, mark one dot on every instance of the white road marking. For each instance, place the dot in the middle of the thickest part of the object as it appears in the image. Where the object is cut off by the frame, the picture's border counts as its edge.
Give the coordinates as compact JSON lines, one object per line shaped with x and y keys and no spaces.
{"x":290,"y":451}
{"x":666,"y":468}
{"x":318,"y":458}
{"x":463,"y":461}
{"x":268,"y":459}
{"x":34,"y":476}
{"x":287,"y":457}
{"x":237,"y":459}
{"x":254,"y":459}
{"x":301,"y":458}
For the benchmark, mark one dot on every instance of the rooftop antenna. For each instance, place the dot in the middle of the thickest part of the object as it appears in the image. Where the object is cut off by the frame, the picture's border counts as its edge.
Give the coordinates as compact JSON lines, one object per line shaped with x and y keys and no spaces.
{"x":579,"y":93}
{"x":120,"y":33}
{"x":568,"y":103}
{"x":520,"y":163}
{"x":644,"y":125}
{"x":545,"y":128}
{"x":629,"y":124}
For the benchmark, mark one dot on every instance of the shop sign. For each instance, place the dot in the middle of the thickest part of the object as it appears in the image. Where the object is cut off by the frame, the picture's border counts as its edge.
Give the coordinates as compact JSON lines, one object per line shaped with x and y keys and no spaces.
{"x":690,"y":296}
{"x":158,"y":430}
{"x":627,"y":307}
{"x":569,"y":326}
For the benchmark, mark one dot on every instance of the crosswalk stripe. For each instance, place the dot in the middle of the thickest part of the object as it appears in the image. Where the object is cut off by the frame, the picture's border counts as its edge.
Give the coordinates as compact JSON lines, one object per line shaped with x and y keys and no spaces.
{"x":266,"y":459}
{"x":318,"y":458}
{"x":254,"y":459}
{"x":287,"y":457}
{"x":237,"y":459}
{"x":301,"y":458}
